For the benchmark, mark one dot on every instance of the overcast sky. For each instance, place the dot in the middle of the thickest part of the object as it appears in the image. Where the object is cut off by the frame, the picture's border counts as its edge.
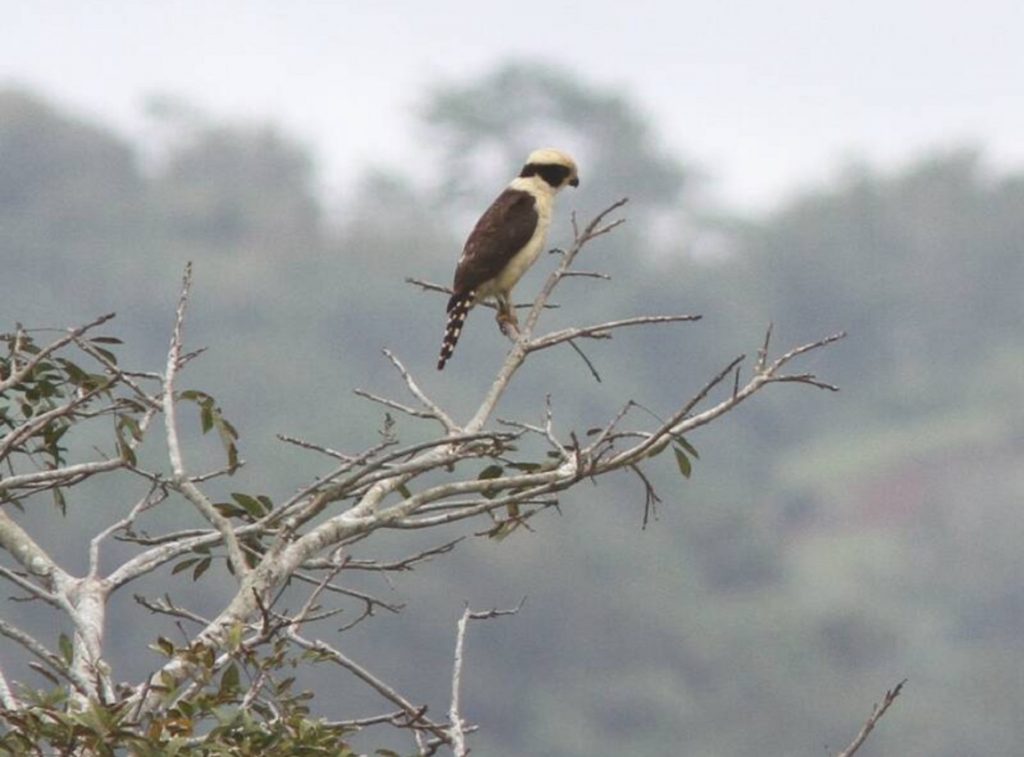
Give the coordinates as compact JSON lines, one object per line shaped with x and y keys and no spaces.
{"x":767,"y":96}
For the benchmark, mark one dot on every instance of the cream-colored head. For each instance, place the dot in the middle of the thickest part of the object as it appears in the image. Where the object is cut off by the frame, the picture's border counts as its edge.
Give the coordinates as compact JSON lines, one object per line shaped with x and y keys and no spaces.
{"x":556,"y":168}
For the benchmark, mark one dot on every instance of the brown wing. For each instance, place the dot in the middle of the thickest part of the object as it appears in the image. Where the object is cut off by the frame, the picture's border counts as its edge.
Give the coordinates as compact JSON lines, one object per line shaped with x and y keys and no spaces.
{"x":502,"y":231}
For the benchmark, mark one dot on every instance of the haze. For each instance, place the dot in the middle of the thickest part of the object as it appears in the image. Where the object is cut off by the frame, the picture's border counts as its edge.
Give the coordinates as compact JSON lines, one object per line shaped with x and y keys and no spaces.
{"x":767,"y":96}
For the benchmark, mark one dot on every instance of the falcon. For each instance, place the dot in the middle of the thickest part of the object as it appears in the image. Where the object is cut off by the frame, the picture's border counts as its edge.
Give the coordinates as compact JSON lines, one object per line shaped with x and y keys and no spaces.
{"x":506,"y":241}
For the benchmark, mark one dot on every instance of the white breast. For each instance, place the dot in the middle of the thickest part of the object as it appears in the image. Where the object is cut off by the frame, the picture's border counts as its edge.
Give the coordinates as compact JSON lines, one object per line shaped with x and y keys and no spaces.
{"x":523,"y":259}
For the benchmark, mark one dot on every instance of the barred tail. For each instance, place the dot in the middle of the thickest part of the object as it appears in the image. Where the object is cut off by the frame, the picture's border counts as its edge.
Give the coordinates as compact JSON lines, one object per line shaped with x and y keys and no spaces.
{"x":458,"y":308}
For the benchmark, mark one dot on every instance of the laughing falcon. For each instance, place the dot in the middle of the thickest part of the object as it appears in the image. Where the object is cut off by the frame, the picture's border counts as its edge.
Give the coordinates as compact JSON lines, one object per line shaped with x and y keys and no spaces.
{"x":506,"y":240}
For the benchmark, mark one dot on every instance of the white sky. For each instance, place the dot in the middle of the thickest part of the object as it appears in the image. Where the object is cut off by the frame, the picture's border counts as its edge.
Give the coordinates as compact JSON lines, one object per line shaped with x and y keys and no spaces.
{"x":768,"y":96}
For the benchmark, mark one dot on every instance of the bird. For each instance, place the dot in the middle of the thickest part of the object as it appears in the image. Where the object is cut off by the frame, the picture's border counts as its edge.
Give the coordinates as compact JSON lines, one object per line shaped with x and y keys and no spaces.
{"x":506,"y":241}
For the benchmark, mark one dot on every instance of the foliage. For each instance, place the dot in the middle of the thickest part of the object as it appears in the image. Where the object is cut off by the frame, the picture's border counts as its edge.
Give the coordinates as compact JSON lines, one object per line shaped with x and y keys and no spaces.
{"x":218,"y":715}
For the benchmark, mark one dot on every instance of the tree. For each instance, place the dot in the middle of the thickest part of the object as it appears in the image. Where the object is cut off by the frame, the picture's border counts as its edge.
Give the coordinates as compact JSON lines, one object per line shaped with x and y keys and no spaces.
{"x":71,"y":416}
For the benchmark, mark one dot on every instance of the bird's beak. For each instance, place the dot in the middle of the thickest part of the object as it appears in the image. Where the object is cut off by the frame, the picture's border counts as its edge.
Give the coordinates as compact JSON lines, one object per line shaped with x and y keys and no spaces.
{"x":574,"y":181}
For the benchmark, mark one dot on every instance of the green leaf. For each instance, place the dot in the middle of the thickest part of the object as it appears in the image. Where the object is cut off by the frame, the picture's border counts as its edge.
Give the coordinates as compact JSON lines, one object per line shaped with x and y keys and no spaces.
{"x":131,"y":425}
{"x":404,"y":491}
{"x":228,"y":436}
{"x":491,"y":471}
{"x":282,"y":687}
{"x":193,"y":395}
{"x":229,"y":510}
{"x":229,"y":681}
{"x":66,"y":649}
{"x":201,"y":568}
{"x":184,"y":565}
{"x":165,"y":646}
{"x":526,"y":467}
{"x":681,"y":441}
{"x":75,"y":374}
{"x":107,"y":354}
{"x":58,"y":499}
{"x":251,"y":504}
{"x":206,"y":416}
{"x":235,"y":636}
{"x":106,"y":340}
{"x":683,"y":462}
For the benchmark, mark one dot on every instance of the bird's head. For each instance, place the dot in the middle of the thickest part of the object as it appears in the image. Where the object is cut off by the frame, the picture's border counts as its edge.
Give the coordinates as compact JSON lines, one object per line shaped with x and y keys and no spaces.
{"x":553,"y":166}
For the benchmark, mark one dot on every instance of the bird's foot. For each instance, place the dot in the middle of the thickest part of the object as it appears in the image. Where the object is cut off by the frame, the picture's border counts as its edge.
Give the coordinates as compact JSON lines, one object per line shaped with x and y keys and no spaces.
{"x":508,"y":323}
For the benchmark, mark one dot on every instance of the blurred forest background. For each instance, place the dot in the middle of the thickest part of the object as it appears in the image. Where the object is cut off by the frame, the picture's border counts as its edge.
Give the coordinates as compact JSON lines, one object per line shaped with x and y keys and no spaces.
{"x":826,"y":547}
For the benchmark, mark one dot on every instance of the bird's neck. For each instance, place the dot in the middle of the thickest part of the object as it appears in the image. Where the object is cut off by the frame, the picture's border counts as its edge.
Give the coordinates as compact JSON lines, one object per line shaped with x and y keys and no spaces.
{"x":535,"y":185}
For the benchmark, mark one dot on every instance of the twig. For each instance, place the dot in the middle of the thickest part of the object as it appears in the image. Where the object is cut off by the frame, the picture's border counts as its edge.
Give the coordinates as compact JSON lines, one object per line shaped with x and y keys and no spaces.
{"x":405,"y":564}
{"x":53,"y":661}
{"x":428,"y":286}
{"x":600,"y":330}
{"x":415,"y":714}
{"x":587,"y":275}
{"x":36,"y":592}
{"x":182,"y":481}
{"x":154,"y":497}
{"x":434,"y":409}
{"x":166,"y":607}
{"x":60,"y":474}
{"x":393,"y":404}
{"x":456,"y":729}
{"x":651,"y":498}
{"x":877,"y":711}
{"x":590,"y":365}
{"x":316,"y":447}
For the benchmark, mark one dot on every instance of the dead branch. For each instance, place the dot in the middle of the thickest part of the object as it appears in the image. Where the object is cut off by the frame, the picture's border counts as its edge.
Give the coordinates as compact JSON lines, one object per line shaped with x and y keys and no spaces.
{"x":877,"y":711}
{"x":456,"y":728}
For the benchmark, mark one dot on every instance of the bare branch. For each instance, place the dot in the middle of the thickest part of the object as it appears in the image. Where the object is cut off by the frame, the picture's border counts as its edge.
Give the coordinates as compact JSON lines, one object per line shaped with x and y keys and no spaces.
{"x":36,"y":592}
{"x":166,"y":607}
{"x":58,"y":475}
{"x":428,"y":286}
{"x":393,"y":404}
{"x":877,"y":711}
{"x":805,"y":348}
{"x":413,"y":713}
{"x":434,"y":409}
{"x":663,"y":435}
{"x":600,"y":331}
{"x":182,"y":481}
{"x":456,"y":728}
{"x":587,"y":275}
{"x":583,"y":356}
{"x":326,"y":585}
{"x":32,"y":557}
{"x":53,"y":661}
{"x":316,"y":447}
{"x":405,"y":564}
{"x":152,"y":498}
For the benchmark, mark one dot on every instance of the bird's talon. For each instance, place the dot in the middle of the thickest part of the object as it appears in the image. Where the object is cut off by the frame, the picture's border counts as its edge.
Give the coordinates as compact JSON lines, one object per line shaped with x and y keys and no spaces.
{"x":508,"y":324}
